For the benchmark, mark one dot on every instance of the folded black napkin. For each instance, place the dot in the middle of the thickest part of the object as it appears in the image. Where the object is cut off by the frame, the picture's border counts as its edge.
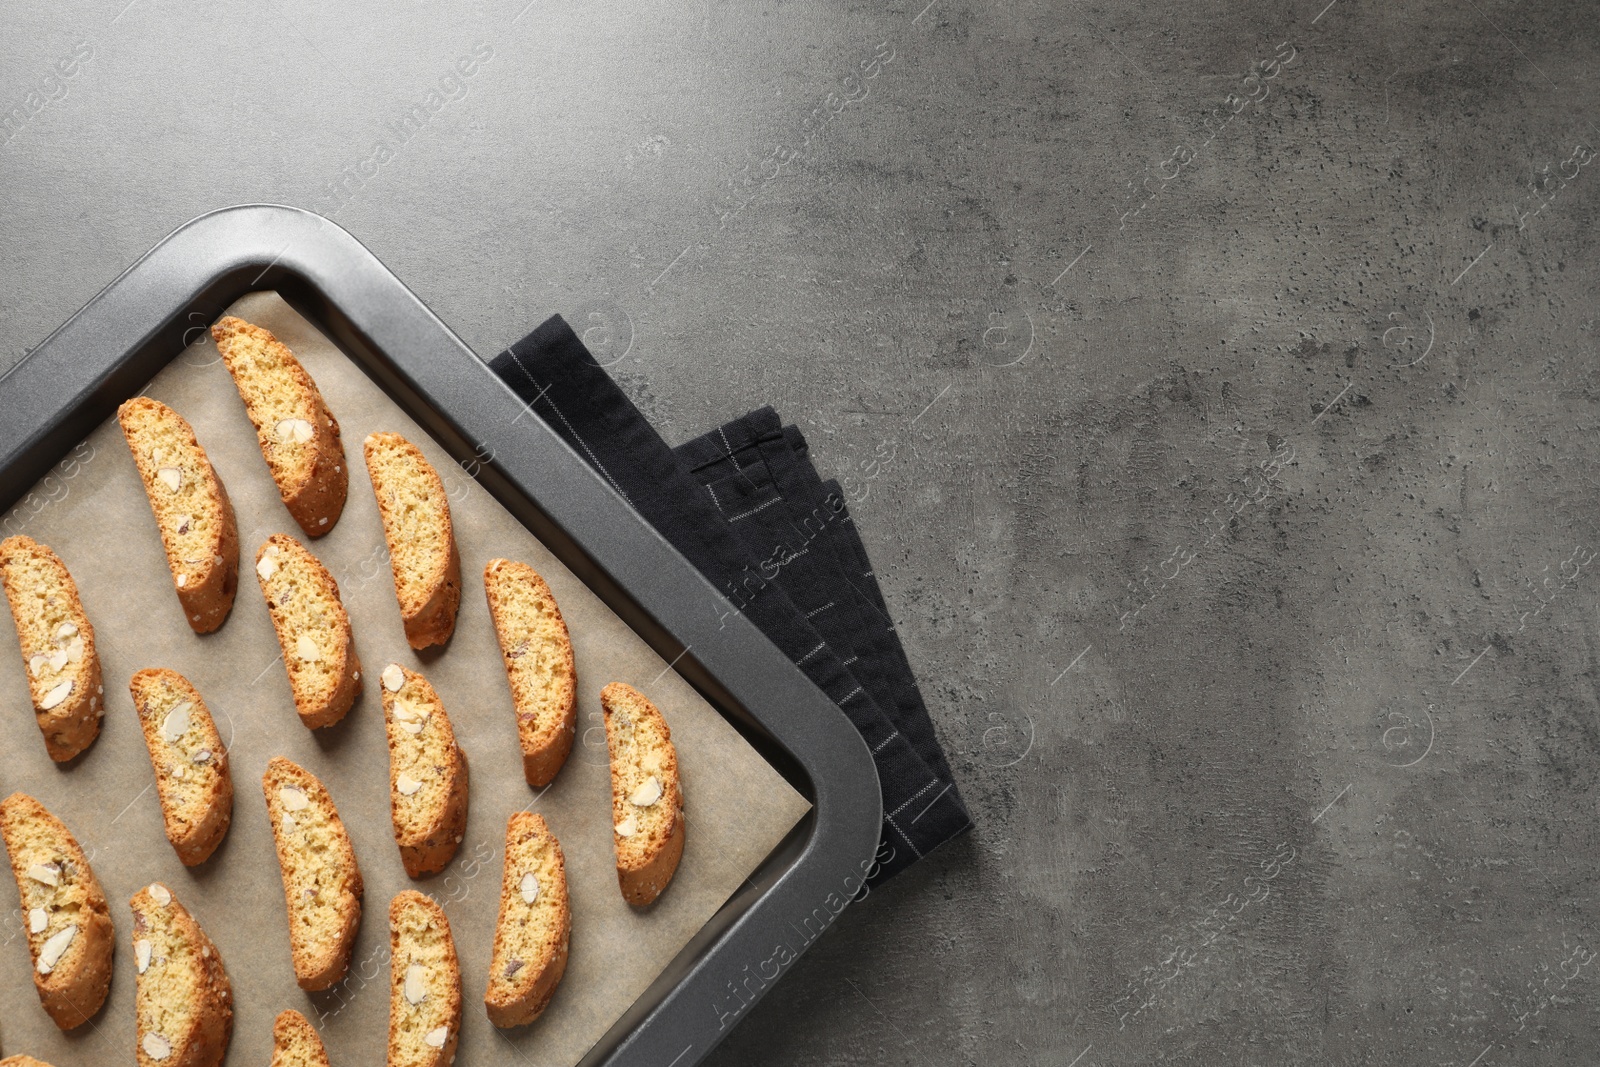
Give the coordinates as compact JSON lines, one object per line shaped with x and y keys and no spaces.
{"x":745,"y":506}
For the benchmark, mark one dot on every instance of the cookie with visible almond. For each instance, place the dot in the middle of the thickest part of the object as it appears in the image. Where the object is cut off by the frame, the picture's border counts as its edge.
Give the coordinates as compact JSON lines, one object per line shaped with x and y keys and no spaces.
{"x":295,"y":1042}
{"x":57,"y":644}
{"x":298,"y":435}
{"x":319,"y":649}
{"x":322,"y":884}
{"x":537,"y":652}
{"x":70,"y":937}
{"x":183,"y":1001}
{"x":424,"y":984}
{"x":646,"y":793}
{"x":191,"y":508}
{"x":193,"y":781}
{"x":534,"y":929}
{"x":422,"y":541}
{"x":427,"y":772}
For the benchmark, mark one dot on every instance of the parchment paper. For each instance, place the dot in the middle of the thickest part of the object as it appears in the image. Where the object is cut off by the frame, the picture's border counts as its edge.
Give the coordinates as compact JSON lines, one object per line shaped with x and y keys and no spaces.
{"x":92,"y":510}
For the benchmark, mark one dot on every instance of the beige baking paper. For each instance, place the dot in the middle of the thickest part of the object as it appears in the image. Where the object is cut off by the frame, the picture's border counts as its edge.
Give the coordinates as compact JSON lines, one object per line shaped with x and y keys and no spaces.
{"x":92,"y":510}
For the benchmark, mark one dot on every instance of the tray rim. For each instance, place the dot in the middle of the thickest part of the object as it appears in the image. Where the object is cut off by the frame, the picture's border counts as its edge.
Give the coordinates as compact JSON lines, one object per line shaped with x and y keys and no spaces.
{"x":143,"y":319}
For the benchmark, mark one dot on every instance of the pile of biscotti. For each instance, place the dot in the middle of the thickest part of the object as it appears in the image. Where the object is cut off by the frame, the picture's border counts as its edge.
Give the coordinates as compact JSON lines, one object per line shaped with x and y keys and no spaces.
{"x":184,"y":1013}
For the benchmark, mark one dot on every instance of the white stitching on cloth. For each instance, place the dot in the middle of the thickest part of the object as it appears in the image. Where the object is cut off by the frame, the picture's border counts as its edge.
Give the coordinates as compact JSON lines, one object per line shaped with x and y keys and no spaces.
{"x":752,"y":511}
{"x":819,"y":611}
{"x":881,"y":745}
{"x":913,"y":845}
{"x":601,"y":467}
{"x":914,"y":796}
{"x":849,"y":696}
{"x":820,"y":646}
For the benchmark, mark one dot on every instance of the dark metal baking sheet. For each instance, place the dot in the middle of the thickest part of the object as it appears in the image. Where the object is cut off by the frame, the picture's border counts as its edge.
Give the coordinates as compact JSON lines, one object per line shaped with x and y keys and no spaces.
{"x":76,"y":378}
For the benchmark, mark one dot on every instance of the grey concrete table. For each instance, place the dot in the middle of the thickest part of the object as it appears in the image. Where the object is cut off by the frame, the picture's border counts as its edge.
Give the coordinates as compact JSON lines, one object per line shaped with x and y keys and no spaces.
{"x":1215,"y":385}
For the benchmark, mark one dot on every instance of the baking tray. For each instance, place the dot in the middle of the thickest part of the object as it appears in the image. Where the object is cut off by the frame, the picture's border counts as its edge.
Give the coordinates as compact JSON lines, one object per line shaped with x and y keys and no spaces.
{"x":144,"y":319}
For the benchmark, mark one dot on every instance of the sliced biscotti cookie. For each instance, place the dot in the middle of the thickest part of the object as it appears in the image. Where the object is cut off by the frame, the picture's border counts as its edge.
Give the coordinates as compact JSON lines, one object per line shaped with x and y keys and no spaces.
{"x":534,"y":927}
{"x":424,"y":984}
{"x":422,"y":543}
{"x":57,"y":646}
{"x":299,"y":437}
{"x":191,"y":507}
{"x":319,"y":650}
{"x":189,"y":760}
{"x":646,"y":794}
{"x":295,"y":1042}
{"x":22,"y":1061}
{"x":321,"y":882}
{"x":68,"y":918}
{"x":538,"y":657}
{"x":427,"y":772}
{"x":183,"y":1001}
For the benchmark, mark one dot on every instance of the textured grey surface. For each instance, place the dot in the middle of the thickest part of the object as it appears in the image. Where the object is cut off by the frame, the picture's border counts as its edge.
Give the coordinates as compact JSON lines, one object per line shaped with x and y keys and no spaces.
{"x":1275,"y":762}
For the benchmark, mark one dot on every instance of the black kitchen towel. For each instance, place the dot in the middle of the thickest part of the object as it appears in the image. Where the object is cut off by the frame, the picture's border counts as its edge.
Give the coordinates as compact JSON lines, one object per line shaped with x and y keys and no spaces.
{"x":745,"y":506}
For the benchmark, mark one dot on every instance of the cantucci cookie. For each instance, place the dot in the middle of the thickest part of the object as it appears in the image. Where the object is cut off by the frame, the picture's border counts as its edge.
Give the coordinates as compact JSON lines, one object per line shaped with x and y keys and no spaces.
{"x":191,"y":507}
{"x":534,"y":927}
{"x":183,"y":1001}
{"x":424,"y":984}
{"x":57,"y":646}
{"x":422,"y":543}
{"x":22,"y":1061}
{"x":67,"y":916}
{"x":299,"y":437}
{"x":321,"y":883}
{"x":313,"y":628}
{"x":646,"y":795}
{"x":427,"y":772}
{"x":190,"y":763}
{"x":295,"y":1042}
{"x":538,"y":657}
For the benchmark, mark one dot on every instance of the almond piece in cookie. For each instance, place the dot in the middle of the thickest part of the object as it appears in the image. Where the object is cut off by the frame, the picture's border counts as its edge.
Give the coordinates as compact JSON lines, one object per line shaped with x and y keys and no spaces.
{"x":321,"y":882}
{"x":295,"y":1042}
{"x":191,"y":507}
{"x":534,"y":927}
{"x":65,"y":911}
{"x":183,"y":1001}
{"x":538,"y":658}
{"x":424,"y":984}
{"x":299,"y":437}
{"x":646,"y":795}
{"x":57,"y":646}
{"x":427,"y":772}
{"x":422,"y":543}
{"x":313,"y":628}
{"x":189,"y":760}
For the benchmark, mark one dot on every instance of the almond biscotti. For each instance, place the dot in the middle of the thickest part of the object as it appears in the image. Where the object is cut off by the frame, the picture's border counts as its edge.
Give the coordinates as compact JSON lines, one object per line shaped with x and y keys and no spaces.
{"x":535,"y":924}
{"x":299,"y":437}
{"x":313,"y":630}
{"x":321,"y":882}
{"x":68,"y":919}
{"x":22,"y":1061}
{"x":422,"y":543}
{"x":57,"y":645}
{"x":424,"y":984}
{"x":191,"y":507}
{"x":646,"y":795}
{"x":427,"y":772}
{"x":183,"y":1001}
{"x":295,"y":1042}
{"x":538,"y":656}
{"x":193,"y":781}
